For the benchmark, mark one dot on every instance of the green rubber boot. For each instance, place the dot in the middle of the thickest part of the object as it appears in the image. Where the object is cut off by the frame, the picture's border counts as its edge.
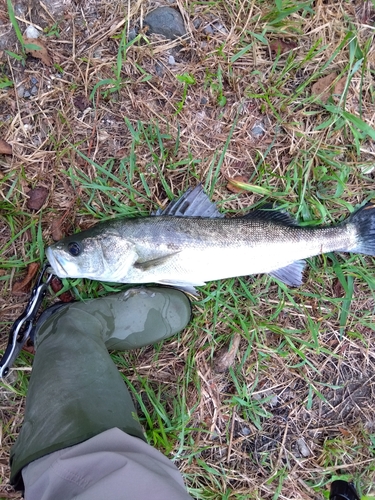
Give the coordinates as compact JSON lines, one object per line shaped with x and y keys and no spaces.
{"x":75,"y":390}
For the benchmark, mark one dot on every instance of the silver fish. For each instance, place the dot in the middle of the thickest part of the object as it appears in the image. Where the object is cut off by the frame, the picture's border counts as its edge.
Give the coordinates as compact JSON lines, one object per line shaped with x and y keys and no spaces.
{"x":191,"y":243}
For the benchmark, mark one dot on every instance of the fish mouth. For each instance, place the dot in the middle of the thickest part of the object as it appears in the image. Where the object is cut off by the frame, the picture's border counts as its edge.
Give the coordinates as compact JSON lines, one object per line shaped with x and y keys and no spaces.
{"x":58,"y":268}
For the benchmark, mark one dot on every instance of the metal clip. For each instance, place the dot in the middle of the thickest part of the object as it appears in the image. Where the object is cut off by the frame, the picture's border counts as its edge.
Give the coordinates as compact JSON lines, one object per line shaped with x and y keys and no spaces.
{"x":22,"y":327}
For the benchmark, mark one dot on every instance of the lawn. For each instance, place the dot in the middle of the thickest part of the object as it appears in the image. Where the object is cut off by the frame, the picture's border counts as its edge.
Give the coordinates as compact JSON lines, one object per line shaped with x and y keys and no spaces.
{"x":270,"y":391}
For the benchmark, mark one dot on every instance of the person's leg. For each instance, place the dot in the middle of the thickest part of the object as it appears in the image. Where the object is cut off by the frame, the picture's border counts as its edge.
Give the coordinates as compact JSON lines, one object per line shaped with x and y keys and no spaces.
{"x":75,"y":390}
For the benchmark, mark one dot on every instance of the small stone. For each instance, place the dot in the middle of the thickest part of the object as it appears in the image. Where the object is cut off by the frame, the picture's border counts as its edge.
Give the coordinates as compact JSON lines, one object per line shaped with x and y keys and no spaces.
{"x":20,"y":90}
{"x":171,"y":60}
{"x":204,"y":100}
{"x":220,"y":28}
{"x":132,"y":34}
{"x":159,"y":69}
{"x":34,"y":90}
{"x":245,"y":431}
{"x":208,"y":30}
{"x":258,"y":130}
{"x":26,"y":94}
{"x":165,"y":21}
{"x":274,"y":401}
{"x":31,"y":32}
{"x":197,"y":23}
{"x":33,"y":80}
{"x":302,"y":447}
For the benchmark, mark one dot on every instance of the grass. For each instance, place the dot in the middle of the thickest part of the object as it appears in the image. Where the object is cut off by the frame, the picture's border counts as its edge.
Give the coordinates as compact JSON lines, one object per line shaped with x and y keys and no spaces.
{"x":262,"y":366}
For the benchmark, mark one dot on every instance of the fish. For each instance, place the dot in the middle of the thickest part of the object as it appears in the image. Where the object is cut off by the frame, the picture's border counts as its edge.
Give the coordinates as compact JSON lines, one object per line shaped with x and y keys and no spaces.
{"x":191,"y":243}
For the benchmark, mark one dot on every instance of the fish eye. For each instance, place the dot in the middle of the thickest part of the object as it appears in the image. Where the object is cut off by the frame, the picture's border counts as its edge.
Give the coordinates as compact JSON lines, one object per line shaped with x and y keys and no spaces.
{"x":74,"y":248}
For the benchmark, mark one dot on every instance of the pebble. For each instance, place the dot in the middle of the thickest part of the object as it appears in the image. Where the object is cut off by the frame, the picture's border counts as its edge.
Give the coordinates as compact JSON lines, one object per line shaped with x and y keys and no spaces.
{"x":220,"y":28}
{"x":245,"y":431}
{"x":171,"y":60}
{"x":31,"y":32}
{"x":159,"y":69}
{"x":33,"y":80}
{"x":165,"y":21}
{"x":26,"y":94}
{"x":302,"y":447}
{"x":197,"y":23}
{"x":258,"y":130}
{"x":208,"y":30}
{"x":20,"y":91}
{"x":132,"y":34}
{"x":34,"y":90}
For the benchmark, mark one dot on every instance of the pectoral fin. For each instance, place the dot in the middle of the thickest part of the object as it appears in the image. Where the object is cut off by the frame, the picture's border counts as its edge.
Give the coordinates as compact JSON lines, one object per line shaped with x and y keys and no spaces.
{"x":151,"y":264}
{"x":292,"y":274}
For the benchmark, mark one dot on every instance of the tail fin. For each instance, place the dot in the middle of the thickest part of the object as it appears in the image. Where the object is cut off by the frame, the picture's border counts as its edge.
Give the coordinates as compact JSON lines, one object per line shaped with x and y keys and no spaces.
{"x":364,"y":221}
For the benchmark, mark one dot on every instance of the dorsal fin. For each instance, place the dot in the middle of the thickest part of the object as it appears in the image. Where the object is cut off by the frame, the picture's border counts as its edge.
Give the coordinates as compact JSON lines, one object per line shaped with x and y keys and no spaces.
{"x":193,"y":203}
{"x":269,"y":213}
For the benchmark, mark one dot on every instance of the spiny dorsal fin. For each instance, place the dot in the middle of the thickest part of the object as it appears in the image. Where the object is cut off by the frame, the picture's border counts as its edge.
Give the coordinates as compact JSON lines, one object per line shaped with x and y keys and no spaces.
{"x":193,"y":203}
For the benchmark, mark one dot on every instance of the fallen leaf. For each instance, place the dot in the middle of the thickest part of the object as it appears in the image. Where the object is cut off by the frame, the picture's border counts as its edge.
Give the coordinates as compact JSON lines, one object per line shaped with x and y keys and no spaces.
{"x":234,"y":184}
{"x":322,"y":87}
{"x":121,"y":153}
{"x":282,"y":47}
{"x":56,"y":228}
{"x":29,"y":347}
{"x":81,"y":102}
{"x":338,"y":289}
{"x":5,"y":148}
{"x":56,"y":285}
{"x":339,"y":87}
{"x":37,"y":197}
{"x":23,"y":286}
{"x":344,"y":431}
{"x":39,"y":53}
{"x":225,"y":358}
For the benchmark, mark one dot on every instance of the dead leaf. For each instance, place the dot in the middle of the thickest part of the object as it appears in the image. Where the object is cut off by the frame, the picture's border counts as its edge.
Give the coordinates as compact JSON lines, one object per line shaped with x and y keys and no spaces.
{"x":56,"y":285}
{"x":121,"y":153}
{"x":282,"y":47}
{"x":225,"y":357}
{"x":81,"y":102}
{"x":41,"y":53}
{"x":339,"y":88}
{"x":233,"y":182}
{"x":56,"y":228}
{"x":338,"y":289}
{"x":37,"y":197}
{"x":23,"y":286}
{"x":344,"y":431}
{"x":29,"y":347}
{"x":322,"y":87}
{"x":5,"y":148}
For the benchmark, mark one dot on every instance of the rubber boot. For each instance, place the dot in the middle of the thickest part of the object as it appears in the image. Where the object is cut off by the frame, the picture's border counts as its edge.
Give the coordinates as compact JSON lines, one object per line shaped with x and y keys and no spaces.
{"x":75,"y":390}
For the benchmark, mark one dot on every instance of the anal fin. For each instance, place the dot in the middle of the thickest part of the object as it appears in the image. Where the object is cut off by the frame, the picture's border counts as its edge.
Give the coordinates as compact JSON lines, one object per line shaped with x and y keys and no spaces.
{"x":292,"y":274}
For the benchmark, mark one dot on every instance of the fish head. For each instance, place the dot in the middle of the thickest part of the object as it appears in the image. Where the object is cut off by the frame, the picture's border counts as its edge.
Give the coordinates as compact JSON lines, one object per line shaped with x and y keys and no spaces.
{"x":94,"y":255}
